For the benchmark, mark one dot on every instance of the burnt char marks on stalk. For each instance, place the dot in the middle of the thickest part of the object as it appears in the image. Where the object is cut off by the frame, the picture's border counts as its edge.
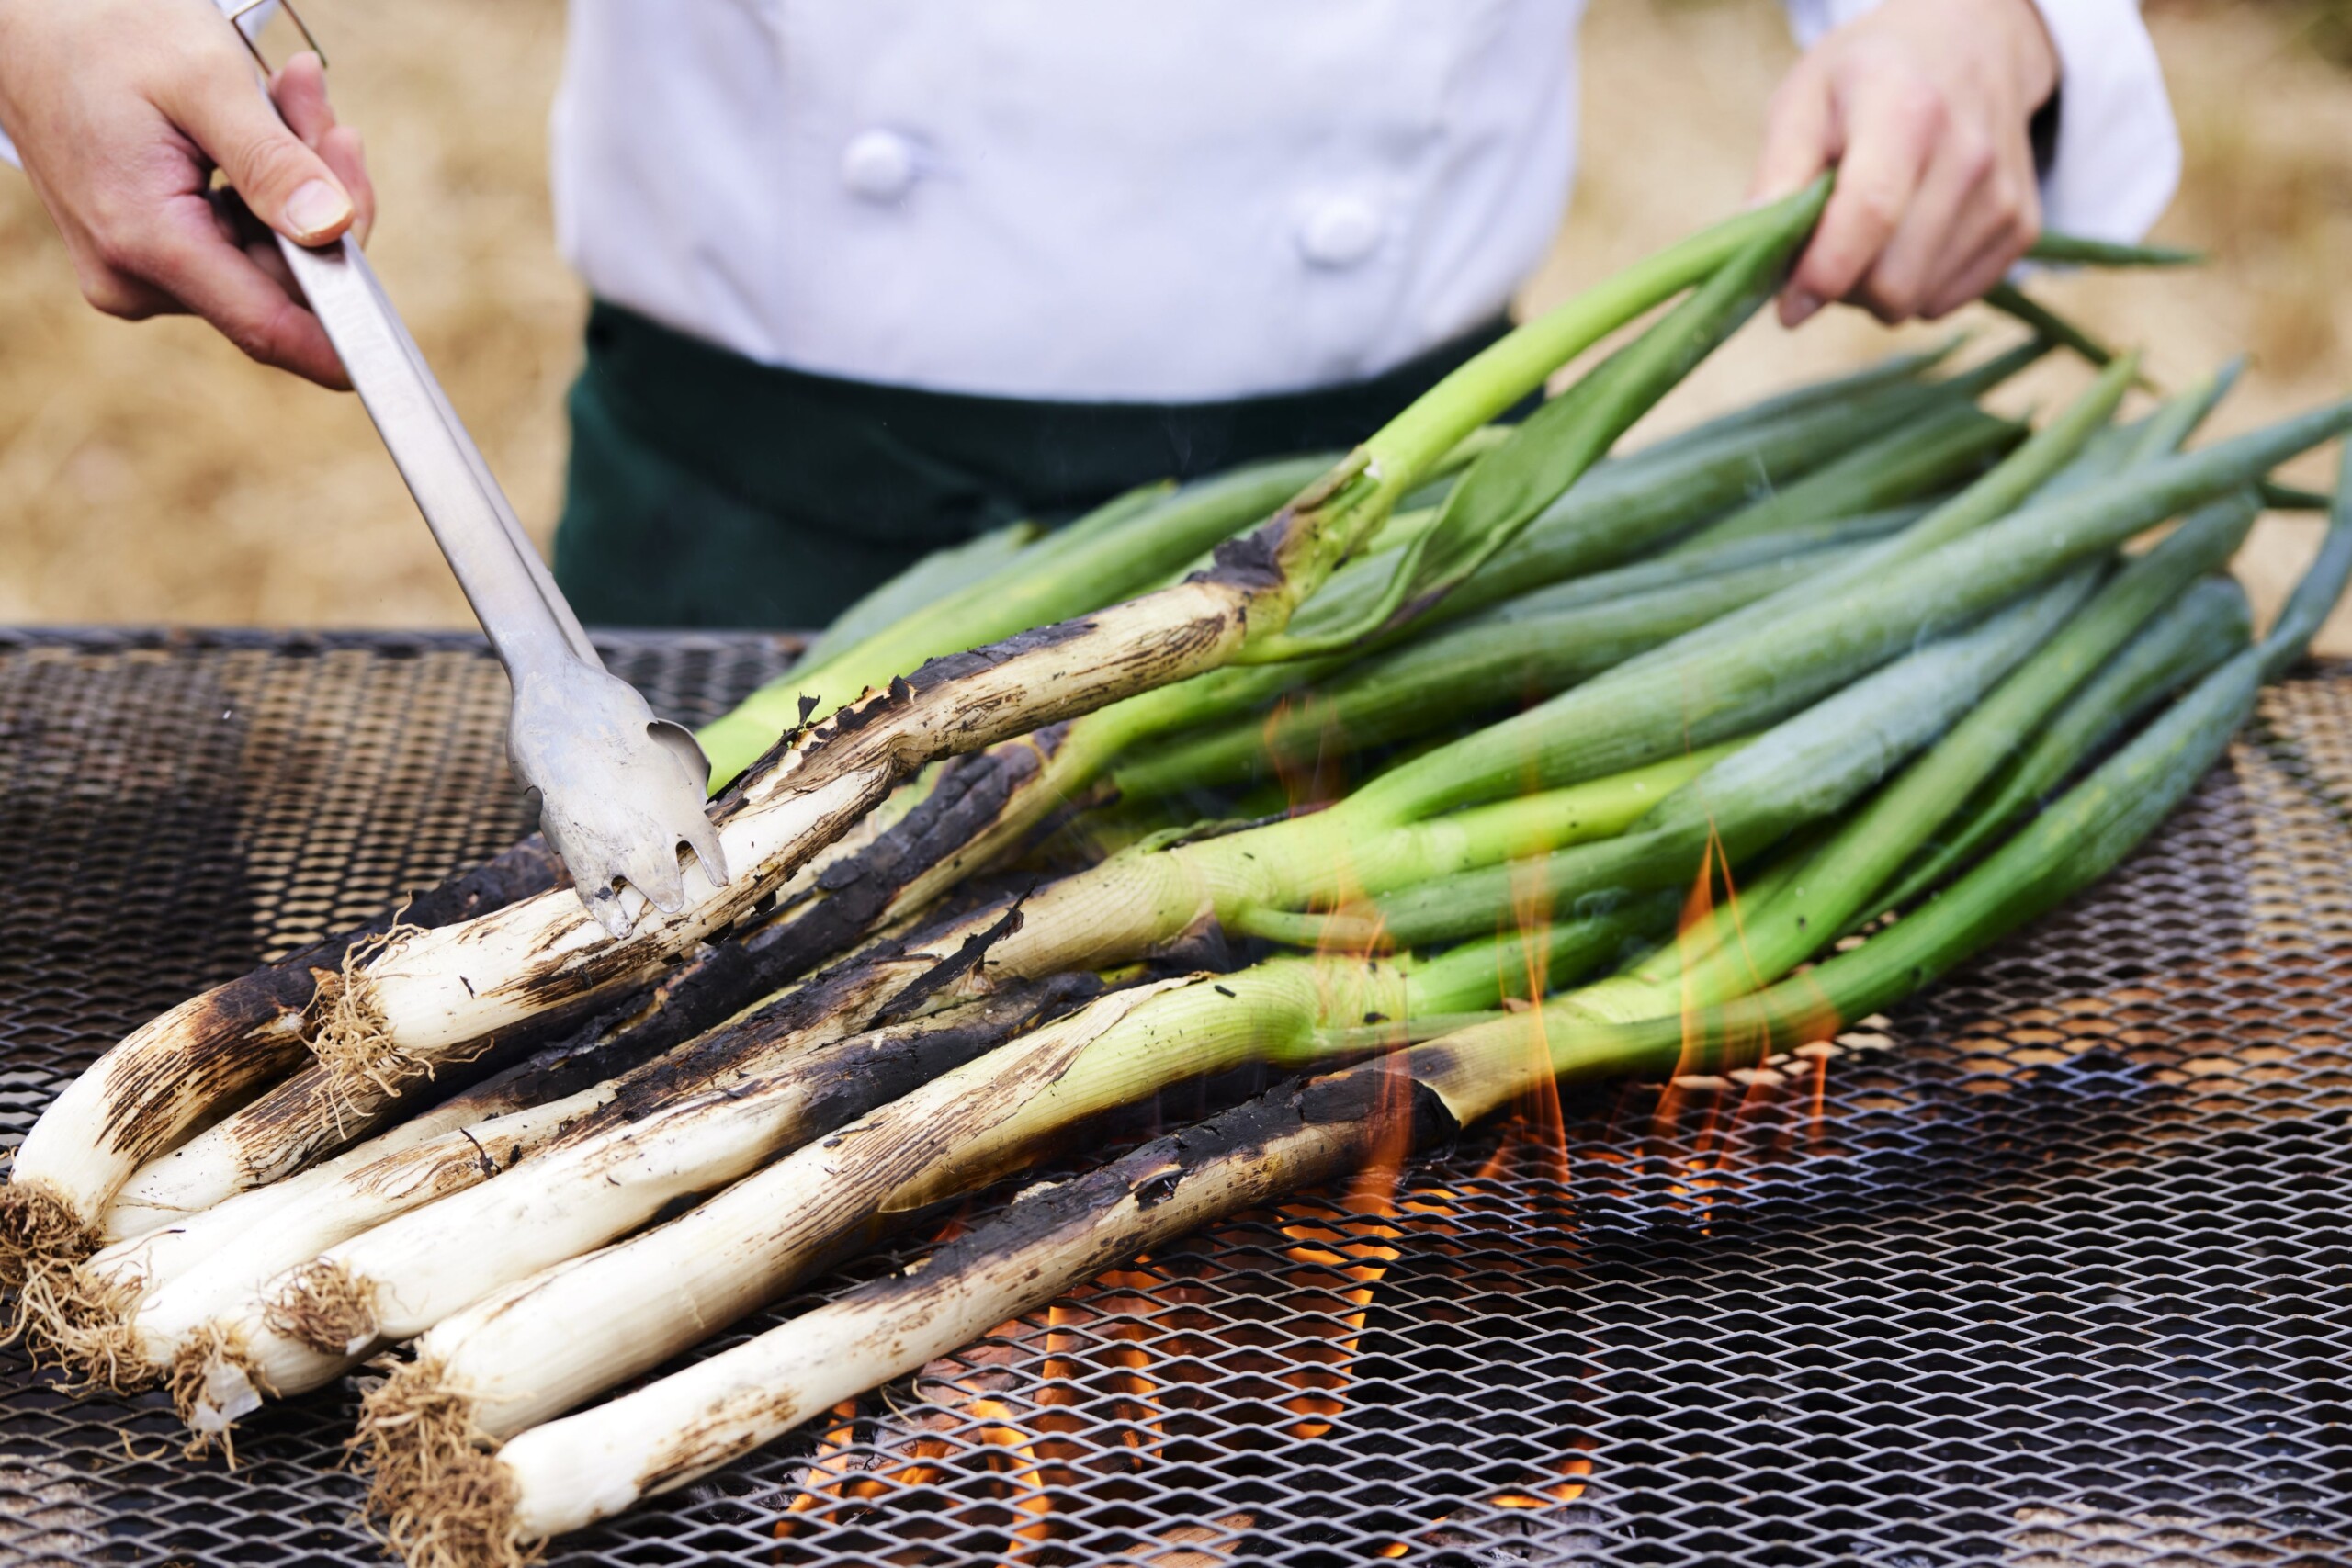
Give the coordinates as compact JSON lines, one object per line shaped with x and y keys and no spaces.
{"x":963,"y":702}
{"x":1257,"y":563}
{"x":455,"y":1167}
{"x":969,"y":798}
{"x":849,"y":990}
{"x":1405,"y":1114}
{"x":717,"y":982}
{"x":317,"y":1111}
{"x":1204,"y":945}
{"x":952,"y":667}
{"x":665,"y":1069}
{"x":813,"y":746}
{"x":1056,"y":1235}
{"x":558,"y":968}
{"x":802,"y":744}
{"x":955,"y":966}
{"x":1178,"y":652}
{"x":248,"y":1030}
{"x":1374,"y":1109}
{"x":867,"y":1071}
{"x":1251,"y":563}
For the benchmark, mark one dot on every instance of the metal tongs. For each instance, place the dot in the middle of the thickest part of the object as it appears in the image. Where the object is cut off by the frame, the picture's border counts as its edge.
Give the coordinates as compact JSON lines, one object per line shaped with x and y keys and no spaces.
{"x":621,"y":793}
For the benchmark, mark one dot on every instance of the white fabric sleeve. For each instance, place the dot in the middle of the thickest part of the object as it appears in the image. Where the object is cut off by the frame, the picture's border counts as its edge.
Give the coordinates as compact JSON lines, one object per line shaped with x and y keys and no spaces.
{"x":2118,"y":156}
{"x":250,"y":21}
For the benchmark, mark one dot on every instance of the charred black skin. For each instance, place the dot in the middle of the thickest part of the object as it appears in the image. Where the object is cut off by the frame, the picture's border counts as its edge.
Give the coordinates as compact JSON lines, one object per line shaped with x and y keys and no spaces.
{"x":1373,"y":1109}
{"x":856,"y":892}
{"x":1053,"y":1236}
{"x":648,"y":1035}
{"x":230,"y":1042}
{"x":868,"y":1071}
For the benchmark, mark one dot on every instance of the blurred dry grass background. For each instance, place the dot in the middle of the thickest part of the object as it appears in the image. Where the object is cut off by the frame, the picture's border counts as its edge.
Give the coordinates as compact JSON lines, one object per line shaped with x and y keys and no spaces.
{"x":149,"y":474}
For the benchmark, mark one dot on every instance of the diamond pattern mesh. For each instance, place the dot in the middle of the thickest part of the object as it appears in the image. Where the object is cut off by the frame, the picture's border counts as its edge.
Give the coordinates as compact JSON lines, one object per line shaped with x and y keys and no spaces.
{"x":2051,"y":1268}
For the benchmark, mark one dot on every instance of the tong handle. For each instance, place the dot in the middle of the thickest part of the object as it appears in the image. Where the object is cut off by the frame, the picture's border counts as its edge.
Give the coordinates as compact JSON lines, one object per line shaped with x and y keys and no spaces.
{"x":512,"y":594}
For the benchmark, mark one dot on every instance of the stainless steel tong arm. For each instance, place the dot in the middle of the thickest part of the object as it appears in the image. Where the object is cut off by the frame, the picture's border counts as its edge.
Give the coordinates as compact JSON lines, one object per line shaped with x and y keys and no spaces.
{"x":621,"y":791}
{"x":496,"y":565}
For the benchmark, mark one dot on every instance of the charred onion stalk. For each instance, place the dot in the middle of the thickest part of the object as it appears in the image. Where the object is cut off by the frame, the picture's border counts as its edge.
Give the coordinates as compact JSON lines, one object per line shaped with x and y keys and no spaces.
{"x":485,"y":1372}
{"x":605,"y":1149}
{"x":282,"y":1130}
{"x":629,"y":1307}
{"x":484,"y":1504}
{"x":179,"y":1069}
{"x":226,"y":1338}
{"x":138,"y":1311}
{"x":425,"y":996}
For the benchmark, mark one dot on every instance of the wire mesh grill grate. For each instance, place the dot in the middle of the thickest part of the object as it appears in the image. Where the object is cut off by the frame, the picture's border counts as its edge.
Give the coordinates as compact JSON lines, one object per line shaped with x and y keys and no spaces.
{"x":2052,"y":1268}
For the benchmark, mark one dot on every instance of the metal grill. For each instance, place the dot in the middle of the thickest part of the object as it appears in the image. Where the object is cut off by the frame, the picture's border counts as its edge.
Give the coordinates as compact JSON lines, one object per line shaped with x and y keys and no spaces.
{"x":2052,"y":1268}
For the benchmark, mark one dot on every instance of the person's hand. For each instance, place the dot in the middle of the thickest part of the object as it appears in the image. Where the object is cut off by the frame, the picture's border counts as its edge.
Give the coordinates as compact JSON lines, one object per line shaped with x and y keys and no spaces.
{"x":1924,"y":106}
{"x":121,"y":109}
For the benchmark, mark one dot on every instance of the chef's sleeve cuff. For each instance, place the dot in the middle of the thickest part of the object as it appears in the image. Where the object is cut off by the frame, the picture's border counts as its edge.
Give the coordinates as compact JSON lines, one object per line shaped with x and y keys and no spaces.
{"x":2115,"y":161}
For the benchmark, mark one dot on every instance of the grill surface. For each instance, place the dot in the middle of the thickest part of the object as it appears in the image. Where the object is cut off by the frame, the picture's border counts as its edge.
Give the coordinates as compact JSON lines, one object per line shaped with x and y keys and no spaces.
{"x":2052,"y":1268}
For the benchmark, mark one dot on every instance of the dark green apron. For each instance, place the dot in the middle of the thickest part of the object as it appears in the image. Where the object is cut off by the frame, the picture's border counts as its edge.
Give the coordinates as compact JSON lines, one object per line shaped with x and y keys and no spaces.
{"x":708,"y":490}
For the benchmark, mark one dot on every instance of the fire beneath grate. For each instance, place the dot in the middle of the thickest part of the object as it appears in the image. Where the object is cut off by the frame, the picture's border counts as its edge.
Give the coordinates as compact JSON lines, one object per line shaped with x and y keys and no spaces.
{"x":2052,"y":1268}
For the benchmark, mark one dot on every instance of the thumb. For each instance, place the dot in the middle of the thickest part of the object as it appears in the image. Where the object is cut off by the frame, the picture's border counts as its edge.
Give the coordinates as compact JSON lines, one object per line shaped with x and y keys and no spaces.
{"x":286,"y":185}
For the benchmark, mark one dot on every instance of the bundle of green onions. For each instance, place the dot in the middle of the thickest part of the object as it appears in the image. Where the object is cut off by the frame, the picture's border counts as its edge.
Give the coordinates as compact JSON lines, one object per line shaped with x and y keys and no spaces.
{"x":1019,"y":852}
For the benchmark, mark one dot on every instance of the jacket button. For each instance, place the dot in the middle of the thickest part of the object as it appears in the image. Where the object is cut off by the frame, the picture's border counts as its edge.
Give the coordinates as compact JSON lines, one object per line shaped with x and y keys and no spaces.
{"x":879,"y":166}
{"x":1339,"y":232}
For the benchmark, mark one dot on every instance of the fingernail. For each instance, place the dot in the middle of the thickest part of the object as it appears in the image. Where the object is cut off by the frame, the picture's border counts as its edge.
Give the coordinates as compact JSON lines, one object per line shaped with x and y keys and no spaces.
{"x":315,"y":208}
{"x":1802,"y":304}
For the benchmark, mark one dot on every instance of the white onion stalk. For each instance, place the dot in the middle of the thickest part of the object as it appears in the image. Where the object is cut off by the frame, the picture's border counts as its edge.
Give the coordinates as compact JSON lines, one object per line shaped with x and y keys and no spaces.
{"x":494,"y":1368}
{"x":180,"y":1069}
{"x":322,"y":1308}
{"x":291,"y":1124}
{"x":80,"y":1312}
{"x":178,"y":1332}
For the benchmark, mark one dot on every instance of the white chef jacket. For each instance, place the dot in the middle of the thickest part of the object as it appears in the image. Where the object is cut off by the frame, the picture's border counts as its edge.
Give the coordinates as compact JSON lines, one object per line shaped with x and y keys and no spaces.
{"x":1124,"y":200}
